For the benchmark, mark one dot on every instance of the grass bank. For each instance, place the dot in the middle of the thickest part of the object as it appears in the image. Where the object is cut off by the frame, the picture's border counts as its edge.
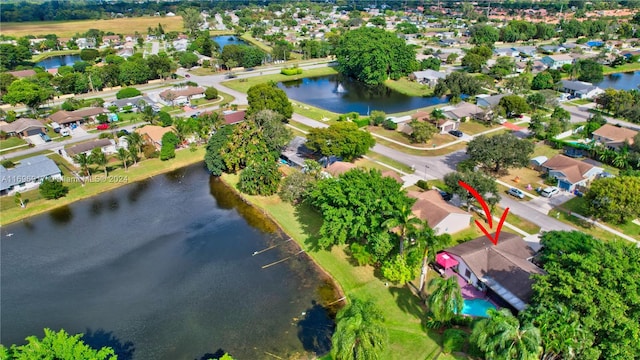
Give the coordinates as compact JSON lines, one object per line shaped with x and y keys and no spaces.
{"x":244,"y":84}
{"x":606,"y":70}
{"x":118,"y":177}
{"x":48,"y":54}
{"x":403,"y":311}
{"x":70,"y":28}
{"x":408,"y":87}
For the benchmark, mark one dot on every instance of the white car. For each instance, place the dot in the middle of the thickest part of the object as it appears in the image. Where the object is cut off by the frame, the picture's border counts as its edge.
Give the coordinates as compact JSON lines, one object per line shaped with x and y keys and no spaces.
{"x":549,"y":191}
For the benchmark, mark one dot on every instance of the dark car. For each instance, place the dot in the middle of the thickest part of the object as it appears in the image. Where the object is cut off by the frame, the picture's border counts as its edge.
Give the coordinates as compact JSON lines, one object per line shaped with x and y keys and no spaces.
{"x":45,"y":137}
{"x":187,"y":75}
{"x":445,"y":195}
{"x":456,"y":133}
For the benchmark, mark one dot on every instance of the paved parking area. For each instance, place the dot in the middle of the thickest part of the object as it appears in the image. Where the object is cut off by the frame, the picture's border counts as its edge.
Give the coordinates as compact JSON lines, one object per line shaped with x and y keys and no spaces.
{"x":35,"y":140}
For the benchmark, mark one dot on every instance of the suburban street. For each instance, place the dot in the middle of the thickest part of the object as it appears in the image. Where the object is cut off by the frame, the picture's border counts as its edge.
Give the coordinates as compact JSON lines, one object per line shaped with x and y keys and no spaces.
{"x":582,"y":114}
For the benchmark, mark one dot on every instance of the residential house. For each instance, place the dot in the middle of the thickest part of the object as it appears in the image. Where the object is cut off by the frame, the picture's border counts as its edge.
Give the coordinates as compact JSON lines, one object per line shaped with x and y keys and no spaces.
{"x":557,"y":61}
{"x":19,"y":74}
{"x":339,"y":167}
{"x":529,"y":51}
{"x":580,"y":89}
{"x":429,"y":77}
{"x":107,"y":146}
{"x":79,"y":116}
{"x":510,"y":52}
{"x":84,"y":43}
{"x":233,"y":117}
{"x":503,"y":270}
{"x":570,"y":172}
{"x":444,"y":125}
{"x":441,"y":216}
{"x":614,"y":137}
{"x":28,"y":174}
{"x":295,"y":153}
{"x":488,"y":101}
{"x":461,"y":111}
{"x":536,"y":162}
{"x":181,"y":96}
{"x":448,"y":42}
{"x":136,"y":103}
{"x":23,"y":127}
{"x":400,"y":119}
{"x":152,"y":134}
{"x":553,"y":48}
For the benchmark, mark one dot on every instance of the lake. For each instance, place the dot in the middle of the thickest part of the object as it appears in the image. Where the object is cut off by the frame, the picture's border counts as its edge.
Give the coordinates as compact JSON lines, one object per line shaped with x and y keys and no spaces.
{"x":164,"y":269}
{"x":341,"y":95}
{"x":621,"y":81}
{"x":55,"y":62}
{"x":224,"y":40}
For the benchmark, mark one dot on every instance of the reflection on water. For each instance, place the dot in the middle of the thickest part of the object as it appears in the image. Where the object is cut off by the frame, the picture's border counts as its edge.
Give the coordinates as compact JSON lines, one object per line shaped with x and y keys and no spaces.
{"x":165,"y":269}
{"x":353,"y":96}
{"x":61,"y":215}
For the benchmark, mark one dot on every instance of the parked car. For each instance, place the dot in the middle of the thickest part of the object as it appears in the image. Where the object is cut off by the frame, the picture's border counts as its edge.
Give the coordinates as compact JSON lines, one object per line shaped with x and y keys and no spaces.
{"x":56,"y":127}
{"x":103,"y":127}
{"x":516,"y":192}
{"x":45,"y":137}
{"x":65,"y":132}
{"x":445,"y":195}
{"x":187,"y":76}
{"x":456,"y":133}
{"x":549,"y":191}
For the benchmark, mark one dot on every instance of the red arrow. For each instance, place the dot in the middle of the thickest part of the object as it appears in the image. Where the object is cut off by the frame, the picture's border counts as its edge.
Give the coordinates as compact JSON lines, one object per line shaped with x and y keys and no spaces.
{"x":485,"y":207}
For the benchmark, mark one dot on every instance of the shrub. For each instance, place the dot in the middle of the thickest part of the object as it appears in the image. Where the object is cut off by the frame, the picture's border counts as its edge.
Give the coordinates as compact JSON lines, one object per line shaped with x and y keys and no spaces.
{"x":165,"y":118}
{"x":291,"y":71}
{"x":127,"y":93}
{"x":423,"y":184}
{"x":454,"y":340}
{"x":389,"y":125}
{"x":53,"y":189}
{"x":210,"y":93}
{"x":349,"y":116}
{"x":150,"y":151}
{"x":361,"y":122}
{"x":8,"y":164}
{"x":360,"y":254}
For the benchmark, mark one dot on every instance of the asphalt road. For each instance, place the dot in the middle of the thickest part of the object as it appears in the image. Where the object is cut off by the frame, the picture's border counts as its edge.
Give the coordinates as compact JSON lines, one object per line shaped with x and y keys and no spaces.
{"x":579,"y":114}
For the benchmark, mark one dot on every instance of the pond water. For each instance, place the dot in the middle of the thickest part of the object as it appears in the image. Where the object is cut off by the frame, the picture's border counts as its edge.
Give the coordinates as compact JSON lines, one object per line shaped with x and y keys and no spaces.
{"x":341,"y":95}
{"x":224,"y":40}
{"x":55,"y":62}
{"x":164,"y":269}
{"x":621,"y":81}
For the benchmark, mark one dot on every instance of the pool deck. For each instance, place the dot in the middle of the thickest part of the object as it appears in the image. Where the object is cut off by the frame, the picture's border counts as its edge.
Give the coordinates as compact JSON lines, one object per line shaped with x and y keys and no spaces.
{"x":468,"y":291}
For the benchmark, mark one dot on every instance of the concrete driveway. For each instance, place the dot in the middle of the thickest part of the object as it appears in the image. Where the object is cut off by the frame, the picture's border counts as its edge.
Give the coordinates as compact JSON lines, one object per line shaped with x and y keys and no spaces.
{"x":35,"y":140}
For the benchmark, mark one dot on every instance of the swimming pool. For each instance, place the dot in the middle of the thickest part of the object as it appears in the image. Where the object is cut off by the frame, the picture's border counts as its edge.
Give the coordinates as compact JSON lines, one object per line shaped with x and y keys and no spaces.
{"x":476,"y":307}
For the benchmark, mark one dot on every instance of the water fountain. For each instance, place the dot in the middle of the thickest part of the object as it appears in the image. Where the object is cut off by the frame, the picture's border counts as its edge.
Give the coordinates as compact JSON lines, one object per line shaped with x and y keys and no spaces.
{"x":340,"y":89}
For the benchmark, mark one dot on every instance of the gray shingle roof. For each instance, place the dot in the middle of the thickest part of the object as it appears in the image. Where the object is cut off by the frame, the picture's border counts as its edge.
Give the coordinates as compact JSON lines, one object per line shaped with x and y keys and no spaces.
{"x":29,"y":170}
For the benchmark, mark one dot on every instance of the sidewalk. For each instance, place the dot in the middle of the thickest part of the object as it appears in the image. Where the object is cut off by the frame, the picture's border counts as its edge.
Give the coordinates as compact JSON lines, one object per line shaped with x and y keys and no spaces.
{"x":606,"y":228}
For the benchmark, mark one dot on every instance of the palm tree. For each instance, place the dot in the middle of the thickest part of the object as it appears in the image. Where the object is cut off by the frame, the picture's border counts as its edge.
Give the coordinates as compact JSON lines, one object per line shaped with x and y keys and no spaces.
{"x":502,"y":337}
{"x":360,"y":332}
{"x":99,"y":158}
{"x":620,"y":159}
{"x":445,"y":300}
{"x":123,"y":155}
{"x":134,"y":141}
{"x":405,"y":222}
{"x":18,"y":199}
{"x":561,"y":332}
{"x":84,"y":161}
{"x":433,"y":242}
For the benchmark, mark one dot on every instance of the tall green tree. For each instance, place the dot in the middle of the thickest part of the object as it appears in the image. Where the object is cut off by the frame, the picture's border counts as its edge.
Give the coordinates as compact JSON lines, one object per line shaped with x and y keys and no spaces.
{"x":99,"y":158}
{"x":484,"y":185}
{"x":403,"y":224}
{"x":192,"y":19}
{"x":213,"y":157}
{"x":502,"y":337}
{"x":456,"y":84}
{"x":589,"y":70}
{"x":267,"y":96}
{"x":484,"y":35}
{"x":123,"y":155}
{"x":52,"y":189}
{"x":614,"y":199}
{"x":56,"y":345}
{"x":84,"y":161}
{"x":373,"y":55}
{"x":169,"y":142}
{"x":260,"y":178}
{"x":343,"y":139}
{"x":28,"y":92}
{"x":134,"y":140}
{"x":445,"y":299}
{"x":360,"y":332}
{"x":489,"y":151}
{"x":514,"y":105}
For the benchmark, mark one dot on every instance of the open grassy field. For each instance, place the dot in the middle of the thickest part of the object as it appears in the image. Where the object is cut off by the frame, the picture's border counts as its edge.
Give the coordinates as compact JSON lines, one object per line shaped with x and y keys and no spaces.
{"x":403,"y":312}
{"x":67,"y":29}
{"x":243,"y":85}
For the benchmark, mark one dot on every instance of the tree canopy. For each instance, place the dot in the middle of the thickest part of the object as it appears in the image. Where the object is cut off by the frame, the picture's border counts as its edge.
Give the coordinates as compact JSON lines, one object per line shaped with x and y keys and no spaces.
{"x":28,"y":92}
{"x":56,"y":345}
{"x":267,"y":96}
{"x":343,"y":139}
{"x":503,"y":337}
{"x":457,"y":83}
{"x":485,"y":185}
{"x":588,"y":302}
{"x":360,"y":332}
{"x":352,"y":213}
{"x":489,"y":151}
{"x":373,"y":55}
{"x":614,"y":199}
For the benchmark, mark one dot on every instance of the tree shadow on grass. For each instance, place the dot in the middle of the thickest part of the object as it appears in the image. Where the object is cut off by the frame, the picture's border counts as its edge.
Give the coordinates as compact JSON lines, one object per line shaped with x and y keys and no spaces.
{"x":310,"y":221}
{"x":408,"y":302}
{"x":100,"y":338}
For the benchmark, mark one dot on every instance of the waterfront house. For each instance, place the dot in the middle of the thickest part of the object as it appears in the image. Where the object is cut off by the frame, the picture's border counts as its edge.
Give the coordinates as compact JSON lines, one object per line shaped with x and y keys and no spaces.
{"x":338,"y":168}
{"x":295,"y":153}
{"x":28,"y":174}
{"x":614,"y":137}
{"x":488,"y":101}
{"x":19,"y":74}
{"x":580,"y":89}
{"x":461,"y":111}
{"x":503,"y":270}
{"x":557,"y":61}
{"x":429,"y":77}
{"x":107,"y":146}
{"x":569,"y":172}
{"x":443,"y":125}
{"x":152,"y":134}
{"x":441,"y":216}
{"x":23,"y":127}
{"x":233,"y":117}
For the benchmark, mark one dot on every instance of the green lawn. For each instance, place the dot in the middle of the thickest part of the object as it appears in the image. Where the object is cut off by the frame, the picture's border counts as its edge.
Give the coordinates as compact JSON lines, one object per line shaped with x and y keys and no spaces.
{"x":403,"y":311}
{"x":408,"y":87}
{"x":393,"y":163}
{"x":443,"y":151}
{"x":579,"y":205}
{"x":473,"y":127}
{"x":314,"y":112}
{"x":42,"y":56}
{"x":622,"y":68}
{"x":11,"y":142}
{"x":243,"y":85}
